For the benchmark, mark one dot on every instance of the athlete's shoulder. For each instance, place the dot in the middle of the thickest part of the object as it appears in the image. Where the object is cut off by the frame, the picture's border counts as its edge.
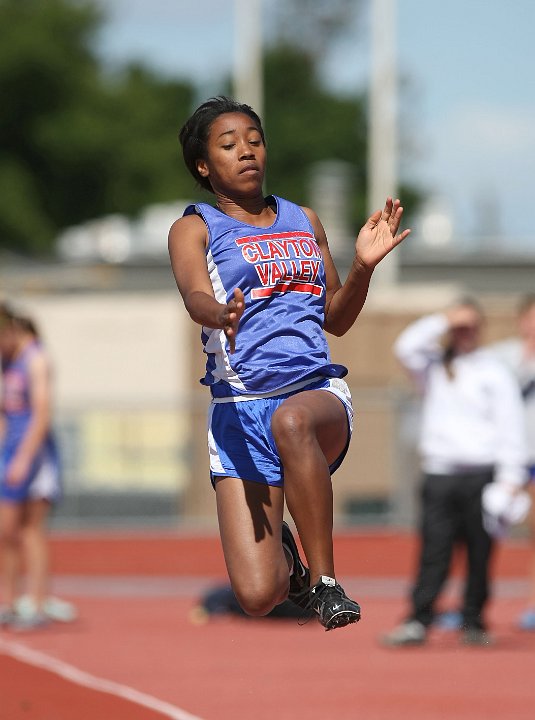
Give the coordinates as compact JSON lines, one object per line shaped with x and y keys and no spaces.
{"x":282,"y":201}
{"x":311,"y":214}
{"x":316,"y":224}
{"x":189,"y":227}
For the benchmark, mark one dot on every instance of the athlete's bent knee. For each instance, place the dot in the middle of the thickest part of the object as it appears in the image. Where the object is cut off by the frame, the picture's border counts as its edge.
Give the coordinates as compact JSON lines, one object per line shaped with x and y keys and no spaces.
{"x":290,"y":425}
{"x":259,"y":601}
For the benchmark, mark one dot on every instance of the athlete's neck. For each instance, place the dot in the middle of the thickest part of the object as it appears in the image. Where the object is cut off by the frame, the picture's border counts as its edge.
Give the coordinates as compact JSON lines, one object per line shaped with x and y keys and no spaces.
{"x":253,"y":211}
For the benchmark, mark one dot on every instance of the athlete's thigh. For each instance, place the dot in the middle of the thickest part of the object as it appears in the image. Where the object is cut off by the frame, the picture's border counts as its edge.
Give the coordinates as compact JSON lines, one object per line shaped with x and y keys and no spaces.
{"x":10,"y":518}
{"x":328,"y":418}
{"x":250,"y":524}
{"x":36,"y":514}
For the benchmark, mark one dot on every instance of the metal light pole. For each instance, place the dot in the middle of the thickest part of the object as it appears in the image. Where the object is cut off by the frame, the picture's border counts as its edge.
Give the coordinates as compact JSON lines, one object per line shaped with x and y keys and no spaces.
{"x":248,"y":85}
{"x":382,"y":138}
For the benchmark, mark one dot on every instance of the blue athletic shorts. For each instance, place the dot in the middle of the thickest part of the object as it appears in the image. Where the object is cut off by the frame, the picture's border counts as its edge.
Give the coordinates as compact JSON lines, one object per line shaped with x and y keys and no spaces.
{"x":43,"y":482}
{"x":240,"y":441}
{"x":531,"y":472}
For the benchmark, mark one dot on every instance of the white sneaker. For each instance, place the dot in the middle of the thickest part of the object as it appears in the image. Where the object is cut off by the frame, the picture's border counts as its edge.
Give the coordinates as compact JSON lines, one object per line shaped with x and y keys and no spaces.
{"x":53,"y":608}
{"x":411,"y":632}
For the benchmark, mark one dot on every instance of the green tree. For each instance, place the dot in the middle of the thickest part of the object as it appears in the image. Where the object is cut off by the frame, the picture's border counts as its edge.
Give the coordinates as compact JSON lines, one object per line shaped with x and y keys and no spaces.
{"x":306,"y":123}
{"x":43,"y":59}
{"x":77,"y":143}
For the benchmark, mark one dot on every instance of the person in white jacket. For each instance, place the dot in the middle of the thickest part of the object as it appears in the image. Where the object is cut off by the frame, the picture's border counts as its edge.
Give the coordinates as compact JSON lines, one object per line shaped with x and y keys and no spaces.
{"x":472,"y":434}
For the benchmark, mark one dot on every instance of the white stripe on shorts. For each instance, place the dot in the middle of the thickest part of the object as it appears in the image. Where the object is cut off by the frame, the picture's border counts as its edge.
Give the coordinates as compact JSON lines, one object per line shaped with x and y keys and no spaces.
{"x":45,"y":485}
{"x":273,"y":393}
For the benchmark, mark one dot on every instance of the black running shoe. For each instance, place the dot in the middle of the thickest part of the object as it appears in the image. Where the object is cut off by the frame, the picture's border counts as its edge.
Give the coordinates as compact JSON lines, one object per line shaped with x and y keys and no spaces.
{"x":333,"y":607}
{"x":300,"y":578}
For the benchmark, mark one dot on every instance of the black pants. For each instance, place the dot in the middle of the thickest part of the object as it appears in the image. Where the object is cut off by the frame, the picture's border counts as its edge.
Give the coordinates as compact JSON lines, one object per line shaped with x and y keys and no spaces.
{"x":451,"y":513}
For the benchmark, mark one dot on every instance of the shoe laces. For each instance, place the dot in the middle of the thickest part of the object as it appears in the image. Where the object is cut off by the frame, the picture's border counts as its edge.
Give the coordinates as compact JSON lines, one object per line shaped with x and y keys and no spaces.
{"x":316,"y":594}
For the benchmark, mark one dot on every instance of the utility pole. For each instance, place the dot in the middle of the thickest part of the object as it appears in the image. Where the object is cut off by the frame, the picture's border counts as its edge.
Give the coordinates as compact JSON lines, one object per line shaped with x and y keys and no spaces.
{"x":248,"y":80}
{"x":382,"y":121}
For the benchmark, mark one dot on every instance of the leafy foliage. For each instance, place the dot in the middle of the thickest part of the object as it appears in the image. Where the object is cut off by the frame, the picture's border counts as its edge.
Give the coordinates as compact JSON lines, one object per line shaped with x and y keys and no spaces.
{"x":79,"y":143}
{"x":306,"y":124}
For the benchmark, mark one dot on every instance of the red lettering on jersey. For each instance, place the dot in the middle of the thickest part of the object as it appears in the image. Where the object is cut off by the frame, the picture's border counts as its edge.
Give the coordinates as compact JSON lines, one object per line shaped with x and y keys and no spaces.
{"x":250,"y":252}
{"x":309,"y":248}
{"x":276,"y":251}
{"x":276,"y":273}
{"x":291,"y":268}
{"x":263,"y":273}
{"x":306,"y":269}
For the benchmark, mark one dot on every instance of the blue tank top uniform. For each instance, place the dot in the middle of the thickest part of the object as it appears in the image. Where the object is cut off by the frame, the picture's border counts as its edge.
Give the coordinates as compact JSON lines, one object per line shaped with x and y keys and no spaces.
{"x":17,"y":413}
{"x":281,"y":347}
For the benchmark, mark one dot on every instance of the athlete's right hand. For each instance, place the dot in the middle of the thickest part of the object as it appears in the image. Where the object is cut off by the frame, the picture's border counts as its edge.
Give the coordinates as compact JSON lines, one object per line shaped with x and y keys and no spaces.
{"x":230,"y":317}
{"x":17,"y":471}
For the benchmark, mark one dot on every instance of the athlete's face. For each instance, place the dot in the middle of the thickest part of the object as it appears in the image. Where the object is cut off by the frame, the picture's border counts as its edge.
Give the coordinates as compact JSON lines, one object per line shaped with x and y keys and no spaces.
{"x":236,"y":156}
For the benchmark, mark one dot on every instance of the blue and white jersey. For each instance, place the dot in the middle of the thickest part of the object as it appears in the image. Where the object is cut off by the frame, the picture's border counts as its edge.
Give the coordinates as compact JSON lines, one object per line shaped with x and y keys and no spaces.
{"x":16,"y":403}
{"x":280,"y":271}
{"x":43,"y":479}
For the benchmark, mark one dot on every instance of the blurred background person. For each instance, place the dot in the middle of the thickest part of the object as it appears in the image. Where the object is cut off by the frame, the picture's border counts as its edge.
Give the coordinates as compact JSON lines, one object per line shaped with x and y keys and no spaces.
{"x":519,"y":355}
{"x":30,"y":474}
{"x":472,"y":434}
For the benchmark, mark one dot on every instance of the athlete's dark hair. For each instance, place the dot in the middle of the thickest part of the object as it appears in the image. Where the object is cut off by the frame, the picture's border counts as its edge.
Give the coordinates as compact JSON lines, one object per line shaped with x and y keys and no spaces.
{"x":194,"y":133}
{"x":9,"y":316}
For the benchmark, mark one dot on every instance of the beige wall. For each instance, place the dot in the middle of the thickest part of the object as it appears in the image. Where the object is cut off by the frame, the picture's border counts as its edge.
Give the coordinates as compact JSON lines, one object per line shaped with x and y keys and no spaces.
{"x":116,"y":349}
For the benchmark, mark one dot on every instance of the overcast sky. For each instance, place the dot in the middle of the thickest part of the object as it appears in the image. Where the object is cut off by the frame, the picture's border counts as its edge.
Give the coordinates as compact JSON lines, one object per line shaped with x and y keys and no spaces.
{"x":470,"y":102}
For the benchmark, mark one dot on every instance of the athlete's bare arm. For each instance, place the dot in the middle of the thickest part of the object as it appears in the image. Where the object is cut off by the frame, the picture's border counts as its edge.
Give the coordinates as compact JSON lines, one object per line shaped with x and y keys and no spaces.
{"x":187,"y":249}
{"x":36,"y":432}
{"x":378,"y":236}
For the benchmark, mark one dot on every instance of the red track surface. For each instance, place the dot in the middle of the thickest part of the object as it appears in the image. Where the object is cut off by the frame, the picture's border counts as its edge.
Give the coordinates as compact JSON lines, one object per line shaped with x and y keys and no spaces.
{"x":258,"y":670}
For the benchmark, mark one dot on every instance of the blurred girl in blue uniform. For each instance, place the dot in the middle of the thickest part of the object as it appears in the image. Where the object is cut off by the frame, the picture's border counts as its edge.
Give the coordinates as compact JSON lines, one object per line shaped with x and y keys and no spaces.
{"x":29,"y":468}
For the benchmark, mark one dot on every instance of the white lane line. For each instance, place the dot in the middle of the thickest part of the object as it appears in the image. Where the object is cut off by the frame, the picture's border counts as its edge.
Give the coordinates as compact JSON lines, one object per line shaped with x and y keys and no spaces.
{"x":80,"y":677}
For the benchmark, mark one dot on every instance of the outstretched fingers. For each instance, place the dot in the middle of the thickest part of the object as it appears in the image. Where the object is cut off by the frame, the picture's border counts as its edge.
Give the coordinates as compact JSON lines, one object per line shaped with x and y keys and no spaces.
{"x":386,"y":213}
{"x":395,"y":217}
{"x":397,"y":239}
{"x":380,"y":233}
{"x":392,"y":214}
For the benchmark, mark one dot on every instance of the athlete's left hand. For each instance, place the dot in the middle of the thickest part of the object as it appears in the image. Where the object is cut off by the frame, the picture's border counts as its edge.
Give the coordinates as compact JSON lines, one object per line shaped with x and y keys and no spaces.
{"x":17,"y":471}
{"x":380,"y":235}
